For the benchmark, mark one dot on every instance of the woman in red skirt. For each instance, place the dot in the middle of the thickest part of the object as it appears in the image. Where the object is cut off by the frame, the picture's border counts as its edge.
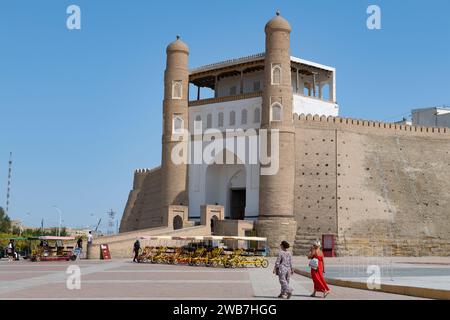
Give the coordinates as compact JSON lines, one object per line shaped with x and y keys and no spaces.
{"x":317,"y":273}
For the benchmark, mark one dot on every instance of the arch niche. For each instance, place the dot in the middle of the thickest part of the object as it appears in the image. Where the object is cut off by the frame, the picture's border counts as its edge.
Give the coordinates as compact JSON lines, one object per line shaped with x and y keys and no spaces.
{"x":226,"y":186}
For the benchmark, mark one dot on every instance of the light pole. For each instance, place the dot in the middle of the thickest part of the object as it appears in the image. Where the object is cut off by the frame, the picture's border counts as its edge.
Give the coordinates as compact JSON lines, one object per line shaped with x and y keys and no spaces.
{"x":60,"y":214}
{"x":97,"y":222}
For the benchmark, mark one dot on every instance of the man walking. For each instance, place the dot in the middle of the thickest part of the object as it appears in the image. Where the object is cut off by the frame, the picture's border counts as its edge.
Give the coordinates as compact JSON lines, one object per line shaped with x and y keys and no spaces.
{"x":136,"y":248}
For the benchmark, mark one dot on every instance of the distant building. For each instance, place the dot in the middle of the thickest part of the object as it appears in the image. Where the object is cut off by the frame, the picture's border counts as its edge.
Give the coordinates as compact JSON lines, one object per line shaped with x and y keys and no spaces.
{"x":431,"y":117}
{"x":16,"y":224}
{"x":74,"y":232}
{"x":404,"y":121}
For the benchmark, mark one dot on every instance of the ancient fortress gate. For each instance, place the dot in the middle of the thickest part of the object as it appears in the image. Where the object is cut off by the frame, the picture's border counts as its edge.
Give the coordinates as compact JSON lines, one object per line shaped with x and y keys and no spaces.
{"x":374,"y":186}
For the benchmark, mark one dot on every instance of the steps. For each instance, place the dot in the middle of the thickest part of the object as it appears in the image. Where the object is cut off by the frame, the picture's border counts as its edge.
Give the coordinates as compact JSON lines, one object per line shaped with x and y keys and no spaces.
{"x":303,"y":242}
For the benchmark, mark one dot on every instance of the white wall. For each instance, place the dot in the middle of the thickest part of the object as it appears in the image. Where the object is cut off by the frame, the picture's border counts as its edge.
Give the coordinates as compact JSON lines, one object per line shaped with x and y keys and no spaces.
{"x":314,"y":106}
{"x":226,"y":107}
{"x":202,"y":191}
{"x":427,"y":117}
{"x":216,"y":189}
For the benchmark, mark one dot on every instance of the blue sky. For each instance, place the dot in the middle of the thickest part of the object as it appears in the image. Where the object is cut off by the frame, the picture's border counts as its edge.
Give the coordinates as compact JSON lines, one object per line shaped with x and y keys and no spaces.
{"x":81,"y":109}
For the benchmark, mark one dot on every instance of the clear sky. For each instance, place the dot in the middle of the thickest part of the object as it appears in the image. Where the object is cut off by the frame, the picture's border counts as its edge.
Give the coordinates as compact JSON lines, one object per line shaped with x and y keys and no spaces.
{"x":81,"y":109}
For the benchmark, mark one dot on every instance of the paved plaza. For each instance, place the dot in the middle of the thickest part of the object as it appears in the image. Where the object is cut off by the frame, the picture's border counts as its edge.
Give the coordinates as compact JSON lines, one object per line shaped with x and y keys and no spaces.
{"x":421,"y":272}
{"x":122,"y":279}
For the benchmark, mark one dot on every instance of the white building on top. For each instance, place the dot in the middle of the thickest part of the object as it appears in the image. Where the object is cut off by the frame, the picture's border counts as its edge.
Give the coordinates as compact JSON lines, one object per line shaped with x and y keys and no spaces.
{"x":431,"y":117}
{"x":234,"y":101}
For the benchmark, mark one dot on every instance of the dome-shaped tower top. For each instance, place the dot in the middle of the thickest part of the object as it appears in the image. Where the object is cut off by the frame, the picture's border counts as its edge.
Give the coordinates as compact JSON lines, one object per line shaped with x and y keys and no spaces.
{"x":278,"y":23}
{"x":177,"y":45}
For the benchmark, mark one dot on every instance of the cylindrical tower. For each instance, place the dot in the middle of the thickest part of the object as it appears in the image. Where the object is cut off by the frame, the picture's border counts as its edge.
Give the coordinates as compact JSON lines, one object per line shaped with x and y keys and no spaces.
{"x":276,"y":192}
{"x":175,"y":119}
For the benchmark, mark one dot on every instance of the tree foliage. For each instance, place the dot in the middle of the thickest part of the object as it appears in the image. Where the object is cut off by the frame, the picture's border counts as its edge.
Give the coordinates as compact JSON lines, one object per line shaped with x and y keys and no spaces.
{"x":5,"y":221}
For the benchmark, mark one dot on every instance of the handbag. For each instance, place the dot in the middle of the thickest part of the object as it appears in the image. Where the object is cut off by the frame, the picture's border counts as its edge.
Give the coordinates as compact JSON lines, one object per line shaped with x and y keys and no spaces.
{"x":314,"y":263}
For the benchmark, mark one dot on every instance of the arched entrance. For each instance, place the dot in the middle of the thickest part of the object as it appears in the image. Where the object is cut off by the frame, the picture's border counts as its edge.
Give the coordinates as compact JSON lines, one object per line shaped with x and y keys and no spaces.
{"x":226,"y":186}
{"x":177,"y":222}
{"x":214,"y":218}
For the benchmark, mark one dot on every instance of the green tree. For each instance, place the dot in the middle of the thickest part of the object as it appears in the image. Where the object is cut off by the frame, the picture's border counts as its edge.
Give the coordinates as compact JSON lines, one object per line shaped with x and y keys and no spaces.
{"x":5,"y":222}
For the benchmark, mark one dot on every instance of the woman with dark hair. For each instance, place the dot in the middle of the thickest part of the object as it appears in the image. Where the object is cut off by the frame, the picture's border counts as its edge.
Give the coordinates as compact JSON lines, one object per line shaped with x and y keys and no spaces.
{"x":283,"y":269}
{"x":317,"y":270}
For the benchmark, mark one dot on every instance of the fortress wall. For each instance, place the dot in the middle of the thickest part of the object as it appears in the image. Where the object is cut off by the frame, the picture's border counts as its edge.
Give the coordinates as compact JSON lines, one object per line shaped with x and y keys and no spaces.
{"x":143,"y":206}
{"x":315,"y":183}
{"x":392,"y":184}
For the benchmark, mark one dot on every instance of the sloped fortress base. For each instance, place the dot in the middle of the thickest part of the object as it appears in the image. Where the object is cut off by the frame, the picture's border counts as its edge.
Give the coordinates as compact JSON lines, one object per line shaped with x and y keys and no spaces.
{"x":276,"y":230}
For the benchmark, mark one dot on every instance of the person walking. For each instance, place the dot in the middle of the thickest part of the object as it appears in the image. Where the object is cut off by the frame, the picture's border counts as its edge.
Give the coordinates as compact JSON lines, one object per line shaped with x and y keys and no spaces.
{"x":80,"y":243}
{"x":136,"y":248}
{"x":317,"y":270}
{"x":11,"y":250}
{"x":284,"y":269}
{"x":79,"y":247}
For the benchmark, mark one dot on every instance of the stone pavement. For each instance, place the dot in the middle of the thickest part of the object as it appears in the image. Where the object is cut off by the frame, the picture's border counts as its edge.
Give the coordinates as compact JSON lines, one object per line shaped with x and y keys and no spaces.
{"x":122,"y":279}
{"x":423,"y":272}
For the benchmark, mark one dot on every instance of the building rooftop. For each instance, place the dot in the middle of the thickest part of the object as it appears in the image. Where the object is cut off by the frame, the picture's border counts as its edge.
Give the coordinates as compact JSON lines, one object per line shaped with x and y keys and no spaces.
{"x":252,"y":58}
{"x":443,"y":108}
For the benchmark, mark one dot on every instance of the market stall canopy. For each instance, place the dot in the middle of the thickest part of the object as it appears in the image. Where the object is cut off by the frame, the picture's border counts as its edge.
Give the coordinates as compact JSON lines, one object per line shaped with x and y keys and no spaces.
{"x":200,"y":238}
{"x":55,"y":238}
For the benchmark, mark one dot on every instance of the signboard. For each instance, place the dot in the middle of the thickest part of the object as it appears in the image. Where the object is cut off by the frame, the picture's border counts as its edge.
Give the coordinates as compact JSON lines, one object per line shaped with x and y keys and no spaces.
{"x":328,"y":245}
{"x":104,"y":252}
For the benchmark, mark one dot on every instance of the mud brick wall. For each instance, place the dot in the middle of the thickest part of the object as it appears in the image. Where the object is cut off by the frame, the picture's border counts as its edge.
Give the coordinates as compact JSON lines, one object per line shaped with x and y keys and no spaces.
{"x":144,"y":202}
{"x":376,"y":186}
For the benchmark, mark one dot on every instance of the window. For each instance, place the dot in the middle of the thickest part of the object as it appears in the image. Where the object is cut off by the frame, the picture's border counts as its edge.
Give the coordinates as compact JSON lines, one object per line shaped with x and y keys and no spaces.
{"x":177,"y":89}
{"x":209,"y":121}
{"x":257,"y":117}
{"x":232,"y":118}
{"x":276,"y":73}
{"x":178,"y":123}
{"x":220,"y":119}
{"x":256,"y":86}
{"x":232,"y":90}
{"x":244,"y":116}
{"x":275,"y":112}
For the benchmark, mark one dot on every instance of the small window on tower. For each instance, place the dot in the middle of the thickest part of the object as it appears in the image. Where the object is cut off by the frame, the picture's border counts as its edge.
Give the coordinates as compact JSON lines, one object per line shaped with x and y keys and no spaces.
{"x":177,"y":89}
{"x":276,"y":73}
{"x":275,"y":112}
{"x":178,"y":123}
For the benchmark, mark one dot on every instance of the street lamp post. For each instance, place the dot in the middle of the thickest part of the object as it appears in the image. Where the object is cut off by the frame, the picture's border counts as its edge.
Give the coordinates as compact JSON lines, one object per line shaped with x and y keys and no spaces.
{"x":60,"y":214}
